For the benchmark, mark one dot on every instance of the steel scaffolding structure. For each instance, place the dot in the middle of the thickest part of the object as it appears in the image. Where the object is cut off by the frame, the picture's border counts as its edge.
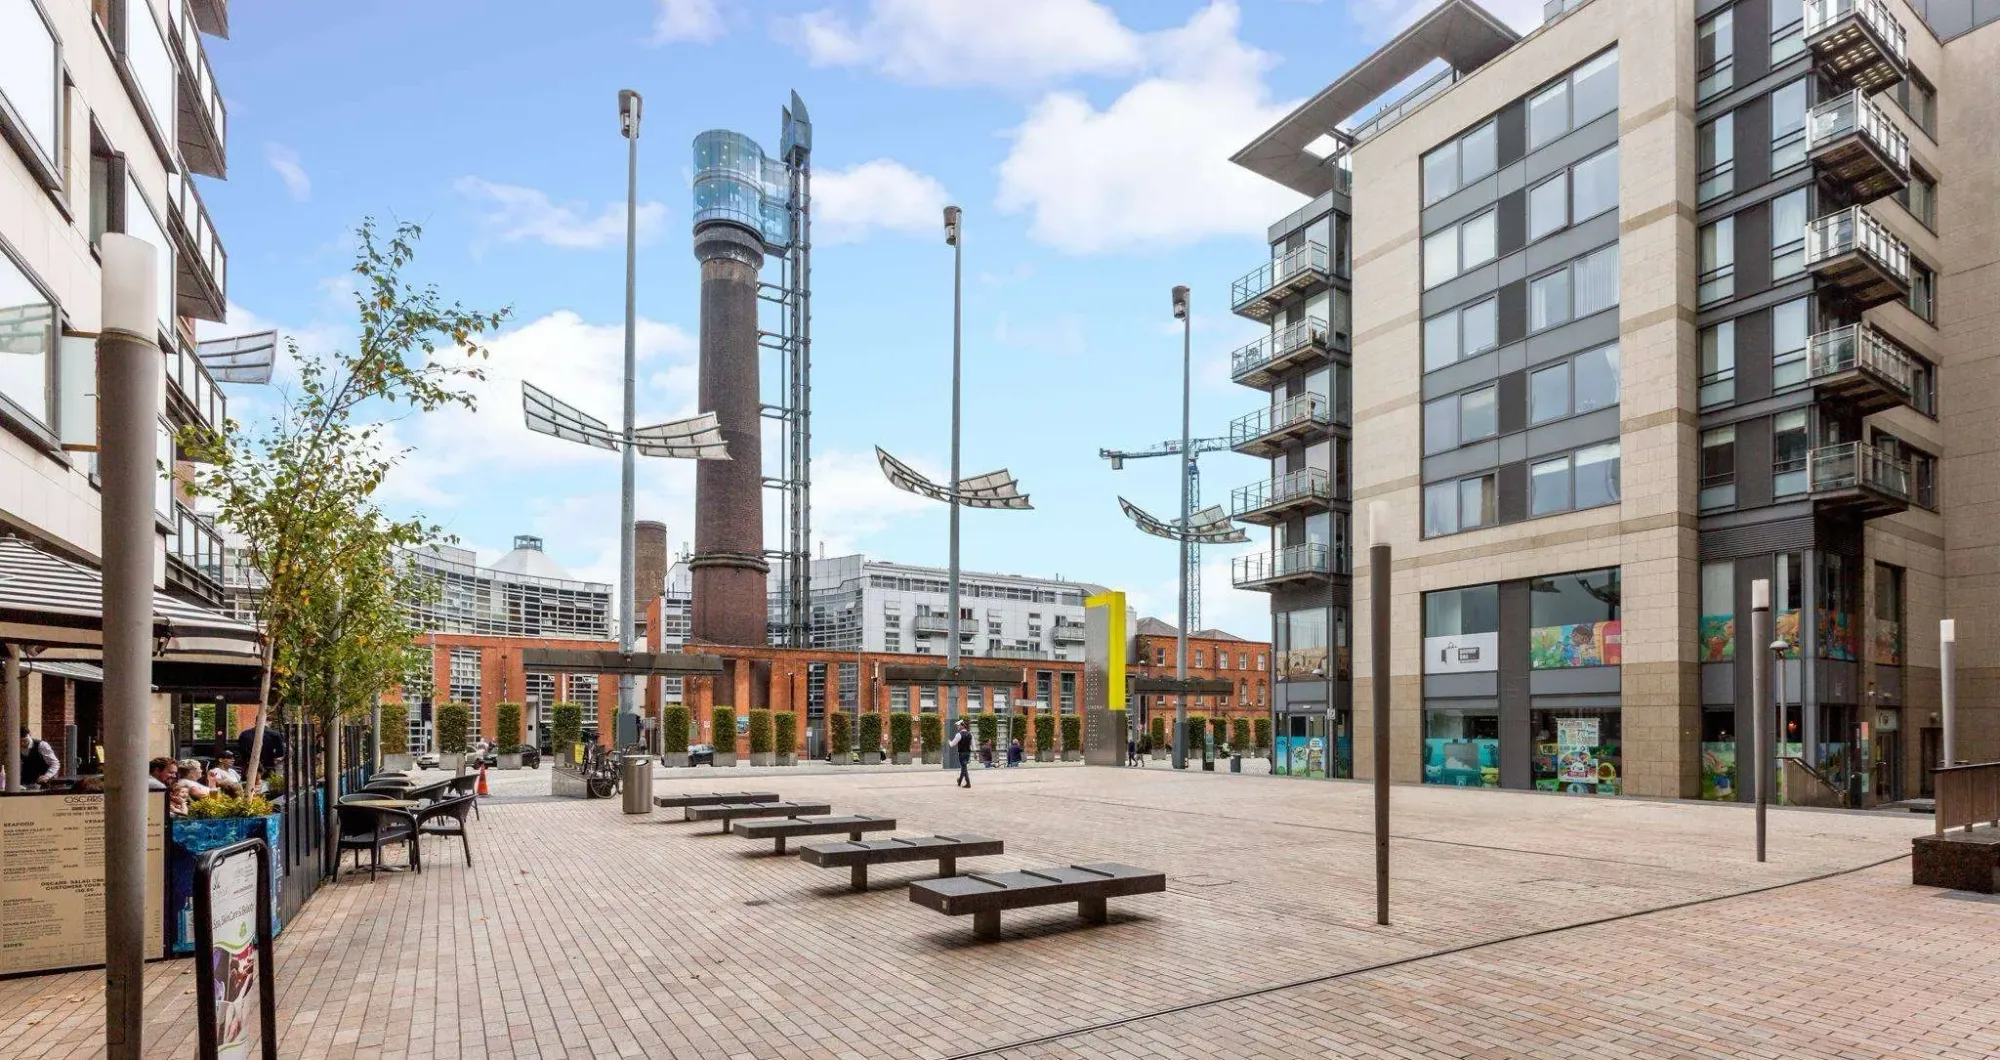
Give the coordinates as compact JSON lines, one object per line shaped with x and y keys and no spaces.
{"x":792,"y":342}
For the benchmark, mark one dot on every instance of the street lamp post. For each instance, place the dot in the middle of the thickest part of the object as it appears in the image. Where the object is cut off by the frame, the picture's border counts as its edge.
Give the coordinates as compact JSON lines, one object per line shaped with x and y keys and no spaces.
{"x":1182,"y":314}
{"x":952,"y":215}
{"x":1760,"y":764}
{"x":1947,"y":688}
{"x":1378,"y":645}
{"x":629,"y":106}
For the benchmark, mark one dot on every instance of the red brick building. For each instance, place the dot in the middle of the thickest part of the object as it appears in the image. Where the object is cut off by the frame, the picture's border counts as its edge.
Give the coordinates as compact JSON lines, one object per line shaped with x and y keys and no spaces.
{"x":1212,"y":654}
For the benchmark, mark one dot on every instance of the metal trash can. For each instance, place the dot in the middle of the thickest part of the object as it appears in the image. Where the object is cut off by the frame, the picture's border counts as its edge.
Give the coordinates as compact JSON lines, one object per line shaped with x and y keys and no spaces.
{"x":1236,"y":763}
{"x":635,"y":775}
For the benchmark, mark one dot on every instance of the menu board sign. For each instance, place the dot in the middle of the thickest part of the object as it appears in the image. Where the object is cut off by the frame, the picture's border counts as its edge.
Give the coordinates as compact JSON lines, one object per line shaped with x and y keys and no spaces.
{"x":52,"y":880}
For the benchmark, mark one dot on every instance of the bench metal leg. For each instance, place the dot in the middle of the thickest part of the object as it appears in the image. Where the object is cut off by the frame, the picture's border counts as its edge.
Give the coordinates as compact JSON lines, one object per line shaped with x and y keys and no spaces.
{"x":781,"y":845}
{"x":947,"y":867}
{"x":1091,"y":910}
{"x":987,"y":925}
{"x":725,"y":826}
{"x":854,"y":836}
{"x":857,"y":878}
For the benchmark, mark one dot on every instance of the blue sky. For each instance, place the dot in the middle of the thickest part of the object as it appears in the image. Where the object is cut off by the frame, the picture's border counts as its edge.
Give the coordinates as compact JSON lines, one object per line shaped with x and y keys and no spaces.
{"x":1087,"y":142}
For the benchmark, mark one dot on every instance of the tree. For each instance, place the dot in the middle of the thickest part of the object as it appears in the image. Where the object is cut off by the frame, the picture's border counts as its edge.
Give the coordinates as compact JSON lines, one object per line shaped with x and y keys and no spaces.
{"x":298,"y":492}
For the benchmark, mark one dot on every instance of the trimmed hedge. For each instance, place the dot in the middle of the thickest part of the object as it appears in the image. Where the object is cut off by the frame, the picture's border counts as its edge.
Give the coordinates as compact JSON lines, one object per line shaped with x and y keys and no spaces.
{"x":760,"y":732}
{"x":450,"y":723}
{"x":674,"y":722}
{"x":723,"y":727}
{"x":988,"y":729}
{"x":871,"y":733}
{"x":507,"y":724}
{"x":395,"y":729}
{"x":839,"y":731}
{"x":1017,"y":728}
{"x":1262,"y":728}
{"x":1197,"y":728}
{"x":900,"y":730}
{"x":1239,"y":734}
{"x":1159,"y":732}
{"x":1072,"y":732}
{"x":785,"y":726}
{"x":930,"y":726}
{"x":565,"y":724}
{"x":1045,"y":733}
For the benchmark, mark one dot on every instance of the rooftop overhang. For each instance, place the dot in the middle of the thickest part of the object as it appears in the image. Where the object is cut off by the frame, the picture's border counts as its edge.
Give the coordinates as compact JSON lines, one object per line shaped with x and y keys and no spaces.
{"x":1460,"y":32}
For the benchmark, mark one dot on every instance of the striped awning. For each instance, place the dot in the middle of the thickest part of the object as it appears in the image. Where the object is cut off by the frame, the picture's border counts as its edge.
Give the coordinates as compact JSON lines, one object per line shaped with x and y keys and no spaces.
{"x":75,"y":671}
{"x":57,"y":606}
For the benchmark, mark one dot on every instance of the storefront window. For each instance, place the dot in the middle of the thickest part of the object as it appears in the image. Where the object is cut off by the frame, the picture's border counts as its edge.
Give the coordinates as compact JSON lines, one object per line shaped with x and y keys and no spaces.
{"x":1574,"y":620}
{"x":1462,"y":630}
{"x":1839,"y":610}
{"x":1576,"y":751}
{"x":1787,"y":598}
{"x":1888,"y":639}
{"x":1462,"y":746}
{"x":1306,"y":749}
{"x":1718,"y":612}
{"x":1718,"y":754}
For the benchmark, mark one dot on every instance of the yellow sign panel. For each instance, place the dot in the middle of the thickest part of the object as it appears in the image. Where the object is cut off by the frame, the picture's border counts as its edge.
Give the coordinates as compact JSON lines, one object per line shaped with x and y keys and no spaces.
{"x":1104,"y":617}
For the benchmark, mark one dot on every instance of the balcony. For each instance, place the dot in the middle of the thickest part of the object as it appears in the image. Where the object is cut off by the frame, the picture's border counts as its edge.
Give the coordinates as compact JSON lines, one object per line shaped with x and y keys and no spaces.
{"x":1852,"y":253}
{"x":1862,"y":367}
{"x":1294,"y":274}
{"x":1857,"y":43}
{"x":1270,"y":570}
{"x":1066,"y":633}
{"x":1267,"y":503}
{"x":194,"y":556}
{"x":927,"y":625}
{"x":1267,"y":431}
{"x":1016,"y":652}
{"x":1303,"y":345}
{"x":189,"y":382}
{"x":1856,"y":146}
{"x":1858,"y":480}
{"x":212,"y":16}
{"x":201,"y":266}
{"x":202,"y":127}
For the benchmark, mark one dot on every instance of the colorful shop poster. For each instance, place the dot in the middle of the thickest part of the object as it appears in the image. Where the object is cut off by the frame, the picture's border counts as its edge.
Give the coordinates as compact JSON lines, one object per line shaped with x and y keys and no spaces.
{"x":1571,"y":646}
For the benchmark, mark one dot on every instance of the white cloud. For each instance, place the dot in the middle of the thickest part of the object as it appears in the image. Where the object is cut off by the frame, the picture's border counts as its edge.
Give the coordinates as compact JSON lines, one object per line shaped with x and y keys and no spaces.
{"x":1152,"y":169}
{"x":687,"y":20}
{"x":849,"y":203}
{"x":955,"y":43}
{"x":1385,"y":18}
{"x":285,"y":162}
{"x":512,"y":213}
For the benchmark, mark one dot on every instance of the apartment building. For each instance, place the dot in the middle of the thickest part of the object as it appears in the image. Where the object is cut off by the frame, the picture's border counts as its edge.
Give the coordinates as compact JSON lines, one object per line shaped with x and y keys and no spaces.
{"x":1213,"y":654}
{"x":1661,"y":299}
{"x":110,"y":117}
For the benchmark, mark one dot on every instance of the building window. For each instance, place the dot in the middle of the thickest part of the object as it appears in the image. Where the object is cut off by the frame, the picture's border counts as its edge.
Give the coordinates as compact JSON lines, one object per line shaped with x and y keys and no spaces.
{"x":1573,"y":620}
{"x":1923,"y":386}
{"x":1548,"y":487}
{"x":152,"y":65}
{"x":1717,"y":148}
{"x":1789,"y":446}
{"x":1440,"y":509}
{"x":1717,"y":276}
{"x":1919,"y":197}
{"x":1476,"y":416}
{"x":1888,"y":639}
{"x":1242,"y":660}
{"x":1459,"y":333}
{"x":1460,"y":162}
{"x":1597,"y":378}
{"x":1788,"y":30}
{"x":1923,"y":475}
{"x":1788,"y":127}
{"x":1480,"y":241}
{"x":1583,"y":756}
{"x":1462,"y":746}
{"x":1441,"y":425}
{"x":1718,"y":612}
{"x":1590,"y":91}
{"x":1788,"y":235}
{"x":1440,"y":256}
{"x":1548,"y":393}
{"x":1548,"y":300}
{"x":1548,"y":115}
{"x":1597,"y":476}
{"x":1594,"y":185}
{"x":1718,"y":468}
{"x":1923,"y":291}
{"x":28,"y":334}
{"x":1596,"y":283}
{"x":31,"y":86}
{"x":1788,"y":344}
{"x":142,"y":222}
{"x":1548,"y":206}
{"x":1715,"y":55}
{"x":1197,"y":658}
{"x":1918,"y":100}
{"x":1466,"y":612}
{"x":1476,"y":502}
{"x":1718,"y":364}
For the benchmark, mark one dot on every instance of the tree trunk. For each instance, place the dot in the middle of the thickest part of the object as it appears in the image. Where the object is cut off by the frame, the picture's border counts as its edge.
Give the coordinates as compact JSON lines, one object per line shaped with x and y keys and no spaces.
{"x":330,"y":754}
{"x":255,"y":766}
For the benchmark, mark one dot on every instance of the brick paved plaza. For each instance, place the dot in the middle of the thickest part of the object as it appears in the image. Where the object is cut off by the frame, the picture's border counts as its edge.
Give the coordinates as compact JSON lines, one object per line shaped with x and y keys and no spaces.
{"x":1524,"y":925}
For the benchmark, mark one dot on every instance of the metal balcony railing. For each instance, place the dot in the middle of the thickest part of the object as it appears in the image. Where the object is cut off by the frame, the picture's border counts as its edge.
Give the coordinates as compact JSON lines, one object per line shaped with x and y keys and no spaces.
{"x":196,"y":545}
{"x":190,"y":377}
{"x":1066,"y":633}
{"x":1857,"y":41}
{"x":1285,"y":564}
{"x":1299,"y":415}
{"x":1294,"y":343}
{"x":203,"y":128}
{"x":1852,"y":465}
{"x":1308,"y":484}
{"x":1860,"y":347}
{"x":1395,"y":112}
{"x":1856,"y":231}
{"x":1260,"y":290}
{"x":202,"y":264}
{"x":1852,"y":140}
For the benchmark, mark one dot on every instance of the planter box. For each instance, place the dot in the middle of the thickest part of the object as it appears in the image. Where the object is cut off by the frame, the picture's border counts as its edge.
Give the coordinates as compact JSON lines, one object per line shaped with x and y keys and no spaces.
{"x":1161,"y":756}
{"x":788,"y":759}
{"x":398,"y":763}
{"x":510,"y":761}
{"x":932,"y":758}
{"x":188,"y":839}
{"x":901,"y":758}
{"x":1072,"y":756}
{"x":763,"y":758}
{"x":453,"y":764}
{"x":677,"y":759}
{"x":871,"y":758}
{"x":1045,"y":756}
{"x":725,"y":761}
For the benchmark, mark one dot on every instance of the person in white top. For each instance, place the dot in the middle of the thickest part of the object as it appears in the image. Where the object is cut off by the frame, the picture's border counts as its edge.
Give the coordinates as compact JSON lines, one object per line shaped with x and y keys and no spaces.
{"x":224,"y":771}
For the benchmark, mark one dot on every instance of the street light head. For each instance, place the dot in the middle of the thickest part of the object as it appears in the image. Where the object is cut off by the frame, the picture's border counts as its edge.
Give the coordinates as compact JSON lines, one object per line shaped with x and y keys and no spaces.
{"x":1780,"y":646}
{"x":629,"y":105}
{"x":1117,"y":463}
{"x":1181,"y":302}
{"x":951,"y":215}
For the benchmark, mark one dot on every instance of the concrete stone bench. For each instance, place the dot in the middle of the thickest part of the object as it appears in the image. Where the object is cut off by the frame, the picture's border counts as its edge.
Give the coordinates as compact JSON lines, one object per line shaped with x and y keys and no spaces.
{"x":1967,"y":860}
{"x":986,"y":895}
{"x":731,"y":811}
{"x":857,"y":856}
{"x":781,"y":829}
{"x":689,"y":799}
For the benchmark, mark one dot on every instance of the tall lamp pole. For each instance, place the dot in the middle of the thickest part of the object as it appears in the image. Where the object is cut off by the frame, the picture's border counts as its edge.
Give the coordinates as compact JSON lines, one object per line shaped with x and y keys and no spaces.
{"x":629,"y":106}
{"x":1948,"y":689}
{"x":1760,"y":633}
{"x":952,"y":214}
{"x":1378,"y":645}
{"x":1182,"y":314}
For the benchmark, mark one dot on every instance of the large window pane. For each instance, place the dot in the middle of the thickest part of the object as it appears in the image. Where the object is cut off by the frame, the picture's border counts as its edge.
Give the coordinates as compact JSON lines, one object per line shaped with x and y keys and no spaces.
{"x":1597,"y":475}
{"x":1718,"y":612}
{"x":1581,"y":598}
{"x":1440,"y":173}
{"x":1479,"y":153}
{"x":1441,"y":425}
{"x":1788,"y":33}
{"x":1789,"y":446}
{"x":152,"y":64}
{"x":1595,"y":181}
{"x":1462,"y":612}
{"x":27,"y":342}
{"x":1480,"y":327}
{"x":1548,"y":300}
{"x":1788,"y":344}
{"x":1548,"y":207}
{"x":1597,"y":379}
{"x":1440,"y":341}
{"x":1718,"y":261}
{"x":1548,"y":115}
{"x":1788,"y":234}
{"x":1718,"y":468}
{"x":1480,"y":240}
{"x":1597,"y":281}
{"x":1440,"y":509}
{"x":1476,"y":506}
{"x":1440,"y":256}
{"x":1476,"y":417}
{"x":1716,"y":165}
{"x":1596,"y":90}
{"x":1788,"y":127}
{"x":1718,"y":364}
{"x":1548,"y":393}
{"x":1548,"y":487}
{"x":1715,"y":49}
{"x":28,"y":77}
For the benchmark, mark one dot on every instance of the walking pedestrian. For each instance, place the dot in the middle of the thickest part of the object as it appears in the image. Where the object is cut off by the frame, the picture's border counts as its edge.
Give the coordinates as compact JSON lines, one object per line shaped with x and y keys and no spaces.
{"x":961,"y":745}
{"x":1131,"y":750}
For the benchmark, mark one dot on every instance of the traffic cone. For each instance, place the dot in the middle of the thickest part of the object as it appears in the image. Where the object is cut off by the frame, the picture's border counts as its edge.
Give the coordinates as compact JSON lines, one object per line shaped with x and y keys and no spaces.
{"x":481,"y":790}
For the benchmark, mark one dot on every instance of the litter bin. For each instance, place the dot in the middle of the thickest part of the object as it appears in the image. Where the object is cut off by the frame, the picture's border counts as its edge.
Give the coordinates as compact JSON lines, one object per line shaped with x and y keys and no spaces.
{"x":636,"y":777}
{"x":1236,"y":763}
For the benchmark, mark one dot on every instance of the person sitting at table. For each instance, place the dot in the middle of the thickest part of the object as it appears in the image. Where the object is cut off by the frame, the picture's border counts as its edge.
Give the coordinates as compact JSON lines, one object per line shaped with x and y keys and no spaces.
{"x":188,"y":788}
{"x":161,"y":773}
{"x":223,"y":773}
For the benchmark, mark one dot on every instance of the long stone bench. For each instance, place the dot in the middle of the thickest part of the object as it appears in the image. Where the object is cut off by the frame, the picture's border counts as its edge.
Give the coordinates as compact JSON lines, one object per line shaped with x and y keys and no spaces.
{"x":689,"y":799}
{"x":985,"y":895}
{"x":731,"y":811}
{"x":781,"y":829}
{"x":857,"y":856}
{"x":1967,"y":860}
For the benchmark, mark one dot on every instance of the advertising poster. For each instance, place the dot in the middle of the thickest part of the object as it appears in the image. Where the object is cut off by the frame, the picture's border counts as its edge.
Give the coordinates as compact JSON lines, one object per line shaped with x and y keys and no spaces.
{"x":1571,"y":646}
{"x":52,"y":880}
{"x":1839,"y":639}
{"x":1576,"y":753}
{"x":1718,"y":771}
{"x":1718,"y":638}
{"x":1307,"y":662}
{"x":1785,"y":627}
{"x":1888,"y":643}
{"x":233,"y":955}
{"x":1464,"y":654}
{"x":1462,"y":763}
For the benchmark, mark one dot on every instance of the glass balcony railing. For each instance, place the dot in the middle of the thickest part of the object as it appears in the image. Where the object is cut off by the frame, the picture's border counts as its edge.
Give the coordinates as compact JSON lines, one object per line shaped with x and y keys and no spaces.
{"x":186,"y":373}
{"x":208,"y":262}
{"x":1066,"y":633}
{"x":1285,"y":564}
{"x":1308,"y":484}
{"x":1555,"y":9}
{"x":195,"y":543}
{"x":203,"y":128}
{"x":1855,"y":230}
{"x":1851,"y":113}
{"x":1395,"y":112}
{"x":1822,"y":15}
{"x":1852,"y":465}
{"x":1858,"y":346}
{"x":942,"y":624}
{"x":1302,"y":415}
{"x":1294,"y":268}
{"x":1283,"y":346}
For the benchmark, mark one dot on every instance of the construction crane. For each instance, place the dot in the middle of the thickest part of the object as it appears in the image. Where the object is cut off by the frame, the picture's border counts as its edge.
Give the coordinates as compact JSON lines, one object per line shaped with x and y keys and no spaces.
{"x":1173,"y":448}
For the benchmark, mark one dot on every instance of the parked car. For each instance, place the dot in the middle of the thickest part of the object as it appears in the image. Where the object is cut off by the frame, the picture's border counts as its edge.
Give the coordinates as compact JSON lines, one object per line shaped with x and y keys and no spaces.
{"x":427,"y":760}
{"x":701,"y":754}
